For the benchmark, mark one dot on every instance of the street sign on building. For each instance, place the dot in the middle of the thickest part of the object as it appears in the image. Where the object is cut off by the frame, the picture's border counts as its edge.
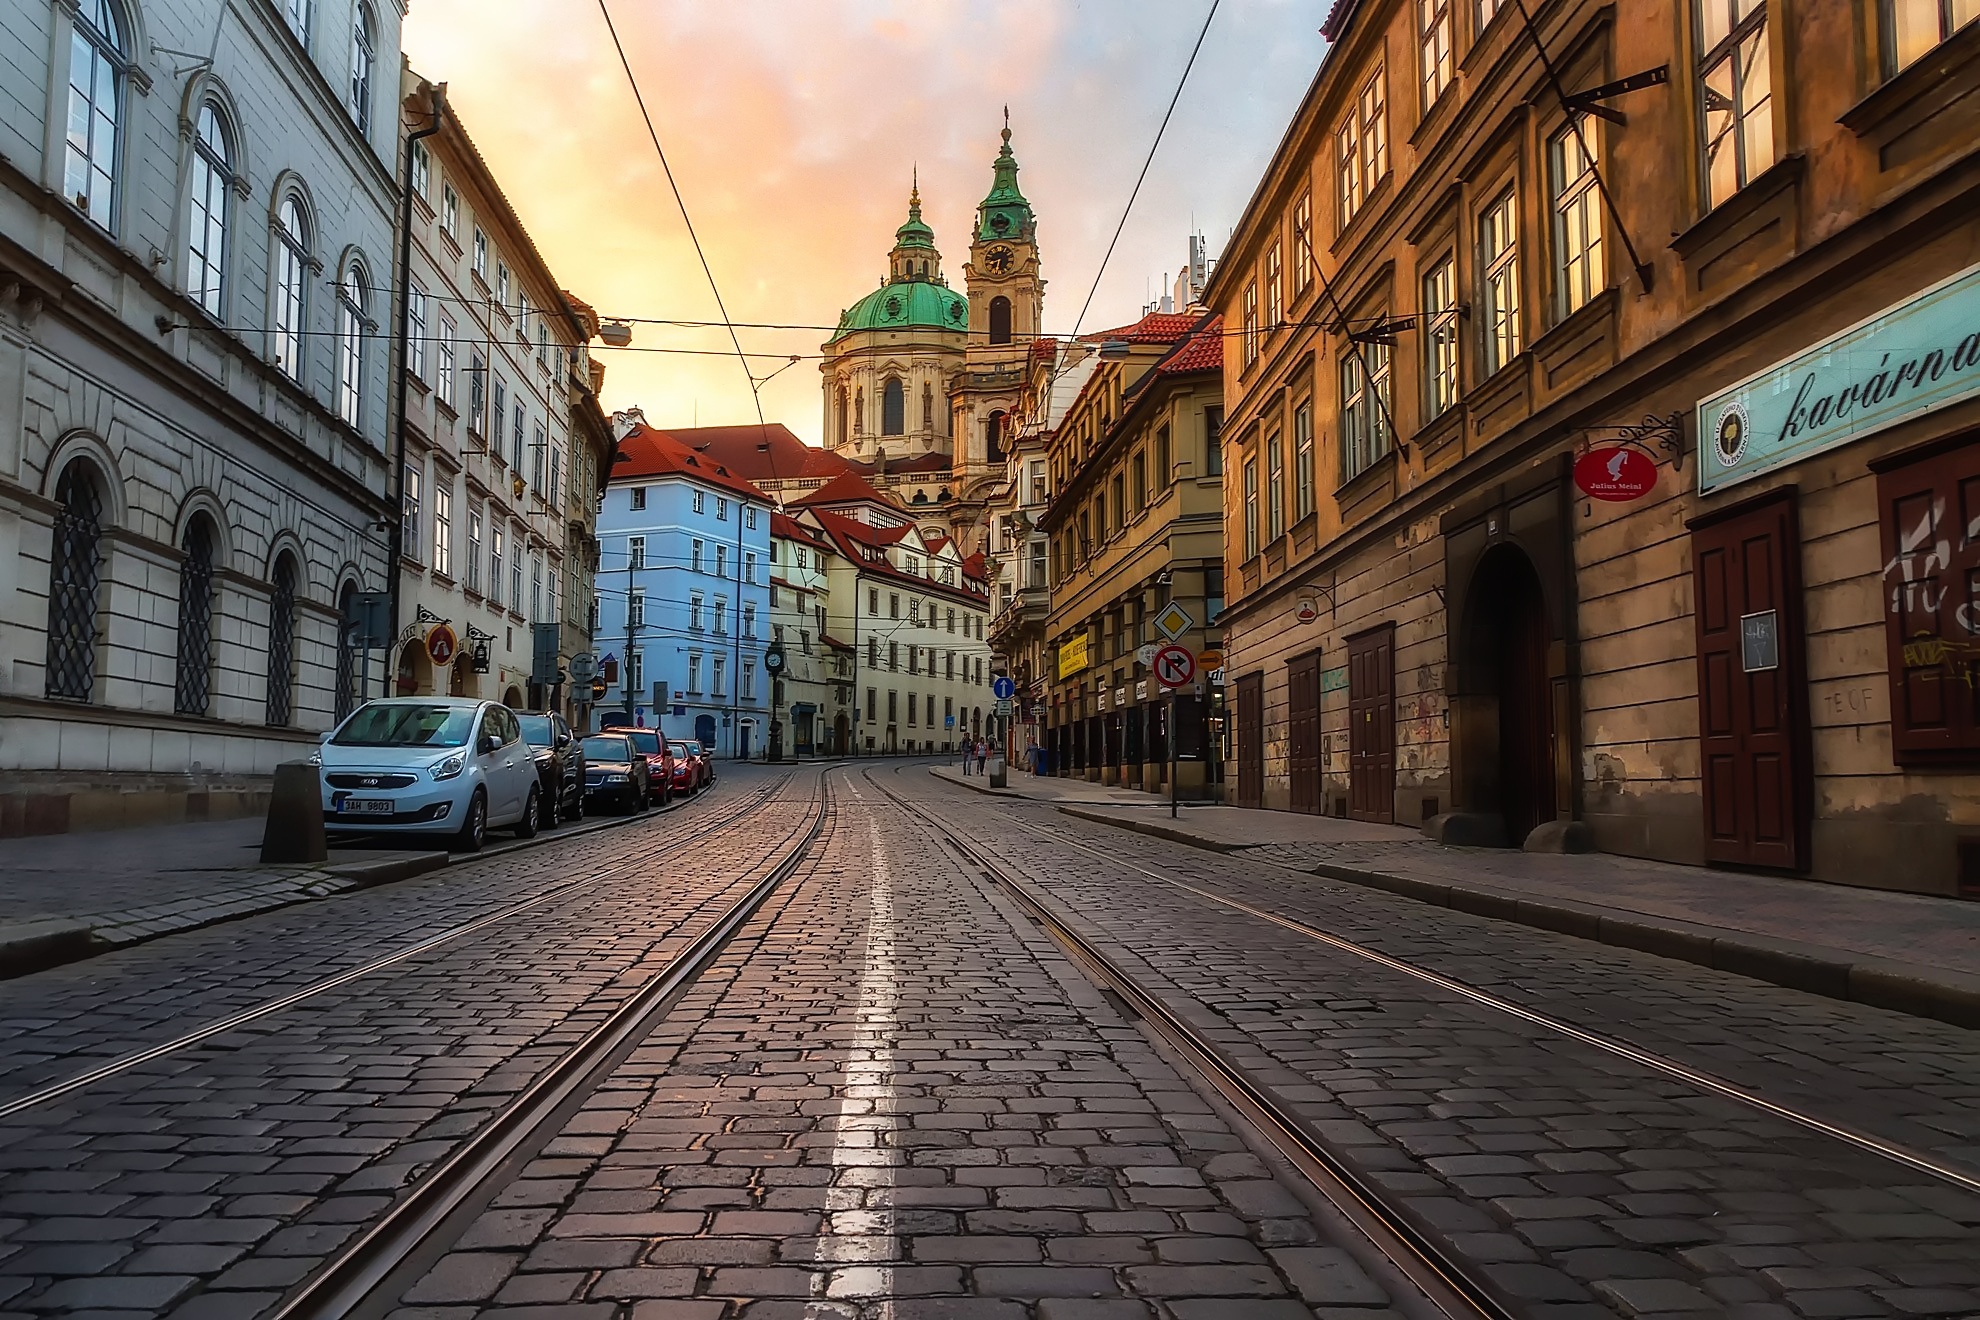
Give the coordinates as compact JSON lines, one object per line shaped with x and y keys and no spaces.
{"x":1174,"y":621}
{"x":583,"y":667}
{"x":1003,"y":688}
{"x":1174,"y":667}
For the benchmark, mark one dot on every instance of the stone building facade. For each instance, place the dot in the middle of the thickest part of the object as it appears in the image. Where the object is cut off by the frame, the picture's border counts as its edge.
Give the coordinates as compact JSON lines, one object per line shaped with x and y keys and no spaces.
{"x":1597,"y":461}
{"x":197,"y":206}
{"x":507,"y":448}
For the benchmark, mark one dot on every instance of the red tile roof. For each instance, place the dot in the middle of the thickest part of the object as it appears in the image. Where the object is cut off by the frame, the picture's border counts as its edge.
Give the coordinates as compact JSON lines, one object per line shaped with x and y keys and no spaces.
{"x":846,"y":488}
{"x":1202,"y":351}
{"x":783,"y":525}
{"x":1154,"y":328}
{"x":761,"y":453}
{"x":651,"y":453}
{"x":856,"y":540}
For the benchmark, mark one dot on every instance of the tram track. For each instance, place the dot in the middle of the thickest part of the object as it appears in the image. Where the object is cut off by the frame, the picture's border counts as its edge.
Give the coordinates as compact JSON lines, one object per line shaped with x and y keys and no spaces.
{"x":1443,"y":1280}
{"x":368,"y":1273}
{"x":759,"y":799}
{"x":1894,"y":1152}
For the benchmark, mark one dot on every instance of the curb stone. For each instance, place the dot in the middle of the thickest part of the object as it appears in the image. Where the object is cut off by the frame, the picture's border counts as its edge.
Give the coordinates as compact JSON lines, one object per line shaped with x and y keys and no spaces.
{"x":1902,"y":987}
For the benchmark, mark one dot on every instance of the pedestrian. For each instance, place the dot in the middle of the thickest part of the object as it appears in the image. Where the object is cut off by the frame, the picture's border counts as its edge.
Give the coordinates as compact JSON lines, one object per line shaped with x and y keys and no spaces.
{"x":969,"y":750}
{"x":982,"y":756}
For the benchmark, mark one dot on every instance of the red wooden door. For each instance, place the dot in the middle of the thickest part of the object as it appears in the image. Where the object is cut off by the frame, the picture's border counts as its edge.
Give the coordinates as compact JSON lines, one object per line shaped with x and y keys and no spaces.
{"x":1303,"y":732}
{"x":1251,"y":740}
{"x":1752,"y":714}
{"x":1372,"y":726}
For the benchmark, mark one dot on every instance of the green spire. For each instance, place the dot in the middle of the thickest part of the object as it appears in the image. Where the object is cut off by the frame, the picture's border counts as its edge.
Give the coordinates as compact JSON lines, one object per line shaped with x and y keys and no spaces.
{"x":915,"y":233}
{"x":1004,"y":213}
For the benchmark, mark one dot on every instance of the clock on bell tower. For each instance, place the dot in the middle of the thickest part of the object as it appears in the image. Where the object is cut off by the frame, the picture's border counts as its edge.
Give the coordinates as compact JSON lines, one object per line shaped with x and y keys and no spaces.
{"x":1006,"y":290}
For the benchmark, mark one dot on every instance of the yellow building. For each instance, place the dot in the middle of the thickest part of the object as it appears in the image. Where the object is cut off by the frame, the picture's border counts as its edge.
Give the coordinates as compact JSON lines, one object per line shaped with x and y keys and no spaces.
{"x":1136,"y":533}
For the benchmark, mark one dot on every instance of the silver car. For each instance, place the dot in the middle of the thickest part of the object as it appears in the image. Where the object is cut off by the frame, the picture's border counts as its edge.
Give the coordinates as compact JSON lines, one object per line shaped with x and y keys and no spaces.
{"x":429,"y":765}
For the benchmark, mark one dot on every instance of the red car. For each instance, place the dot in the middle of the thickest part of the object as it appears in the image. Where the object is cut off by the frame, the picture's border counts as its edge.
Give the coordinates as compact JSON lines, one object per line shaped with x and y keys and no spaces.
{"x":659,"y":762}
{"x":687,"y":768}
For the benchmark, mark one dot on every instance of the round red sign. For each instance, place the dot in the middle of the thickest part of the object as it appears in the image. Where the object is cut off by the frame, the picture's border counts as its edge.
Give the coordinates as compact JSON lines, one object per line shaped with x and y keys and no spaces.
{"x":441,"y":645}
{"x":1615,"y":473}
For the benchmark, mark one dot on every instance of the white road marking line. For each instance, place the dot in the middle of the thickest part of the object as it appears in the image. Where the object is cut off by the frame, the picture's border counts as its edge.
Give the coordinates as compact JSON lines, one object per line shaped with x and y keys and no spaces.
{"x":867,"y":1114}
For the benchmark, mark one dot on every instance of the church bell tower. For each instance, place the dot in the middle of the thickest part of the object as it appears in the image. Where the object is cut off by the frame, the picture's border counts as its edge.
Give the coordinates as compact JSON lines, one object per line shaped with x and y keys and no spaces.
{"x":1006,"y":289}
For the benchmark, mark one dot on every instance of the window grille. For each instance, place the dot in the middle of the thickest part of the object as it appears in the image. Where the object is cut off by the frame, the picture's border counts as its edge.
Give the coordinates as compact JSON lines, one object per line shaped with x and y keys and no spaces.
{"x":195,"y":676}
{"x":345,"y":695}
{"x":282,"y":643}
{"x":74,"y":569}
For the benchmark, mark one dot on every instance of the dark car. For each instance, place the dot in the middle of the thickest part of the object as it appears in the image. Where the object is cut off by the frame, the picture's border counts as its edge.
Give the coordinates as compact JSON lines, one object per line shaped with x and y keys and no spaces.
{"x":614,"y":773}
{"x":659,"y":762}
{"x":559,"y":767}
{"x":687,"y":766}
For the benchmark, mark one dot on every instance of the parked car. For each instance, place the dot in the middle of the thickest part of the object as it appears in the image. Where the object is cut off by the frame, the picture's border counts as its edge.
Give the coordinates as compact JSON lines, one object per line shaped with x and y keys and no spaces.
{"x":659,"y":762}
{"x":705,"y":752}
{"x":614,"y":773}
{"x":429,"y":765}
{"x":559,"y":766}
{"x":687,"y":767}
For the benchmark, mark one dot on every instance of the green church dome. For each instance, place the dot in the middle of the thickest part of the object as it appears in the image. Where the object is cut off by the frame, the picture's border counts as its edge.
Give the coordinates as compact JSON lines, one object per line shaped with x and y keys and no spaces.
{"x":906,"y":305}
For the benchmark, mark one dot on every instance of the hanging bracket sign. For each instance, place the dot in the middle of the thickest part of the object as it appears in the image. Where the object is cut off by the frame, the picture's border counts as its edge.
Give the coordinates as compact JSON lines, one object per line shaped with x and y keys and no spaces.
{"x":1615,"y":473}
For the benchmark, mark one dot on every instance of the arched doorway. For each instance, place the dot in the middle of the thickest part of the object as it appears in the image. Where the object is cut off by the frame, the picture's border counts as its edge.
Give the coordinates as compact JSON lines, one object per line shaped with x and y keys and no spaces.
{"x":513,"y":698}
{"x":1511,"y":731}
{"x":841,"y":735}
{"x":415,"y":673}
{"x":460,"y":682}
{"x":704,"y":731}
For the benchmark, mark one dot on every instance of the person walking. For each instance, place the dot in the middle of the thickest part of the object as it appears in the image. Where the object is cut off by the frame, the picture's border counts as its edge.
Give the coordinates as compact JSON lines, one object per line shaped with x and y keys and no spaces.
{"x":982,"y":756}
{"x":969,"y":750}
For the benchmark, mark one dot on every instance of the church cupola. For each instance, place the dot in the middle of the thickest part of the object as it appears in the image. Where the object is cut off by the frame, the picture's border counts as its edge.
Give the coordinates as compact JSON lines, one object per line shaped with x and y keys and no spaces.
{"x":1005,"y":214}
{"x":914,"y":256}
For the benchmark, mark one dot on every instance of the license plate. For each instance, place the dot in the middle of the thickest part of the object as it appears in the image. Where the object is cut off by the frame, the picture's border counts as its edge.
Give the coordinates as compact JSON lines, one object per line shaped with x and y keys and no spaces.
{"x":366,"y":806}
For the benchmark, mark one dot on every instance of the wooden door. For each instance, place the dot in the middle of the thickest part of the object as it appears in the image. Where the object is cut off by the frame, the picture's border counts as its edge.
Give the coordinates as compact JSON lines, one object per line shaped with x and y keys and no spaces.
{"x":1303,"y":732}
{"x":1372,"y":726}
{"x":1251,"y":740}
{"x":1752,"y":702}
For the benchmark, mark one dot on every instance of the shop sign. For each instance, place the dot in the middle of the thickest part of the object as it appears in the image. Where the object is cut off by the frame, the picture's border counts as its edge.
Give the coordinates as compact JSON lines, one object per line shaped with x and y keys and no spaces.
{"x":1120,"y":697}
{"x":1308,"y":611}
{"x":1615,"y":473}
{"x":441,"y":645}
{"x":1919,"y":355}
{"x":1072,"y":656}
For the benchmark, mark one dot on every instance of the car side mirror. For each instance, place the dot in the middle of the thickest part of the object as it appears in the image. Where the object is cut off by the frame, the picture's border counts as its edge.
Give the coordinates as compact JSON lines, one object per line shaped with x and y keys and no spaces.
{"x":323,"y":739}
{"x":489,"y":742}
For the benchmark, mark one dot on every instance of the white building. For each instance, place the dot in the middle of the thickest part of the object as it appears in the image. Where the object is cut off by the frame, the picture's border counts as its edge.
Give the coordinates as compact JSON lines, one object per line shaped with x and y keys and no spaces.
{"x":506,"y":445}
{"x":812,"y":698}
{"x":197,"y":207}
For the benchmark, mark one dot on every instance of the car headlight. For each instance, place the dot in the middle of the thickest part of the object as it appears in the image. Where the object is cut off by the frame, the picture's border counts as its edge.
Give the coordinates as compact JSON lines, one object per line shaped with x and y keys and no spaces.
{"x":615,"y":779}
{"x":315,"y":758}
{"x":450,"y":767}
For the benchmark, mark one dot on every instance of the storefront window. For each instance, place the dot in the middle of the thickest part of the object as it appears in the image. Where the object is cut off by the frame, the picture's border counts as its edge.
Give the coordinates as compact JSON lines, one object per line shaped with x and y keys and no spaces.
{"x":1930,"y":508}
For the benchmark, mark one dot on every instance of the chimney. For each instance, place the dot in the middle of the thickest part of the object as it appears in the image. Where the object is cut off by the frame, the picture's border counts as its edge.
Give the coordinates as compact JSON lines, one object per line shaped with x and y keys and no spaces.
{"x":626,"y":422}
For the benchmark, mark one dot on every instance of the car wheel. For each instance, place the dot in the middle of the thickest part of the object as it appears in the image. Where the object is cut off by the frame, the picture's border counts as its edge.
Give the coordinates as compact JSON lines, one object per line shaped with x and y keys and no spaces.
{"x":525,"y":828}
{"x":474,"y":829}
{"x":577,"y":807}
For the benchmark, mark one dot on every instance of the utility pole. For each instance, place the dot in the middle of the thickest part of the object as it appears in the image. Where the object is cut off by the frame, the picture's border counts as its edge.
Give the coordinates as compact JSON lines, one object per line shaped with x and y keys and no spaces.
{"x":632,"y":629}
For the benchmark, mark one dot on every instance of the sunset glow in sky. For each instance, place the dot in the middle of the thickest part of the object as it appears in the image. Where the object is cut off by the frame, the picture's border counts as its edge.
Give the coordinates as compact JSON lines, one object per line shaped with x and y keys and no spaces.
{"x":792,"y":127}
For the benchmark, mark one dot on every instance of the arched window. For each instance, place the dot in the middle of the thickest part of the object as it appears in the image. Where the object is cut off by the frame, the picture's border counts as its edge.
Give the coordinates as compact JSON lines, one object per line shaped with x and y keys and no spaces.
{"x":97,"y":65}
{"x":364,"y":61}
{"x":74,"y":570}
{"x":291,"y":286}
{"x":1000,"y":320}
{"x":927,"y":407}
{"x":195,"y":678}
{"x":345,"y":696}
{"x":282,"y":642}
{"x":206,"y":228}
{"x":352,"y":297}
{"x":893,"y":407}
{"x":993,"y":438}
{"x":298,"y":15}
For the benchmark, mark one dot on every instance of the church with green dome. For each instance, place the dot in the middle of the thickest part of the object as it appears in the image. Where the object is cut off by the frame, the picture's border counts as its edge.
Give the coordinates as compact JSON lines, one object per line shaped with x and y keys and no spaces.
{"x":920,"y":376}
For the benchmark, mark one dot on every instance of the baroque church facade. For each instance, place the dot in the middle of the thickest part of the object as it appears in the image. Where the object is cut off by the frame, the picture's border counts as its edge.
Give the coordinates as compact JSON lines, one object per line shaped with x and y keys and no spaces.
{"x":918,"y":377}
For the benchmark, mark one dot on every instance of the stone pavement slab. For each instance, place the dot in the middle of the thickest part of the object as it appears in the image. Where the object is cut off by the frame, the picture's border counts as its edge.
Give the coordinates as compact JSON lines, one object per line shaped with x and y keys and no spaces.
{"x":1911,"y":952}
{"x":1048,"y":788}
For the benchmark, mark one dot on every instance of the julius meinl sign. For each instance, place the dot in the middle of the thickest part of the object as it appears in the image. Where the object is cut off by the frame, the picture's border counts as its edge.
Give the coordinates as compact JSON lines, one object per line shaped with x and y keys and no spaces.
{"x":1921,"y":354}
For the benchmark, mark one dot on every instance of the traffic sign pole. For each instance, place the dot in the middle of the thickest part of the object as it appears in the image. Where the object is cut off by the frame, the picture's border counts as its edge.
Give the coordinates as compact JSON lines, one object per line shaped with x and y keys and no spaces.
{"x":1174,"y":667}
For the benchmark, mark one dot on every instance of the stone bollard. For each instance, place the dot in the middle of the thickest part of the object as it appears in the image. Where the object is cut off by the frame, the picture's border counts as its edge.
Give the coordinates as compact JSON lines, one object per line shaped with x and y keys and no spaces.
{"x":294,"y":832}
{"x":997,"y":772}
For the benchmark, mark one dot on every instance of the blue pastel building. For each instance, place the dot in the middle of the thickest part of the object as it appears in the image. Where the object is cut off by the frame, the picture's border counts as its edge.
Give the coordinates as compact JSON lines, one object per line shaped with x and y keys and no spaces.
{"x":683,"y":595}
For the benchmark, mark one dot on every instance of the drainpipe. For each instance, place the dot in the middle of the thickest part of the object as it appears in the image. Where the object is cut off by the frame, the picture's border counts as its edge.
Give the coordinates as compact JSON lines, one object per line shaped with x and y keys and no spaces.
{"x":396,"y":479}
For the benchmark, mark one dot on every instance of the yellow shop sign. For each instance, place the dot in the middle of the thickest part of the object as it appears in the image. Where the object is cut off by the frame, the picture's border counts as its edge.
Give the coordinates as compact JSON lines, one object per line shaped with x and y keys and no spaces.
{"x":1072,"y":656}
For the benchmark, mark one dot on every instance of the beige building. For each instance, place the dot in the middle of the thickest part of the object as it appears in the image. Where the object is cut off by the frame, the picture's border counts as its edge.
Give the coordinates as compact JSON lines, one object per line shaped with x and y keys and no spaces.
{"x":507,"y":448}
{"x":1594,"y":443}
{"x":1136,"y":532}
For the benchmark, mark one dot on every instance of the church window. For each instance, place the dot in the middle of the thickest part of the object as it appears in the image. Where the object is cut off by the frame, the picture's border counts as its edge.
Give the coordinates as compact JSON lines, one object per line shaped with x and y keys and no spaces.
{"x":893,"y":408}
{"x":1000,"y":320}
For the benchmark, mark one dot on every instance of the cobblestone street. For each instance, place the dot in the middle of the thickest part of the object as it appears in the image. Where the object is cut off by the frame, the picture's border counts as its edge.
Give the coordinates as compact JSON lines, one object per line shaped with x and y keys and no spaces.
{"x":893,"y":1091}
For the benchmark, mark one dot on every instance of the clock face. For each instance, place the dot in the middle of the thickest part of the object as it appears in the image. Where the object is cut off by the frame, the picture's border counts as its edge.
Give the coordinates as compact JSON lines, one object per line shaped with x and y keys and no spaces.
{"x":1000,"y":260}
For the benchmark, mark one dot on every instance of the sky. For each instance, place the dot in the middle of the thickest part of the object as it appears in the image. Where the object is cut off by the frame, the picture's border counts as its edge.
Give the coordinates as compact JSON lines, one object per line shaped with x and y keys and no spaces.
{"x":793,"y":127}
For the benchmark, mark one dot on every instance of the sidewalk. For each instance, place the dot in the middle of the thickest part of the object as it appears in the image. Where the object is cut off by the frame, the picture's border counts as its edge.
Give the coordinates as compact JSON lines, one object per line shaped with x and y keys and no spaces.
{"x":71,"y":896}
{"x":1908,"y":952}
